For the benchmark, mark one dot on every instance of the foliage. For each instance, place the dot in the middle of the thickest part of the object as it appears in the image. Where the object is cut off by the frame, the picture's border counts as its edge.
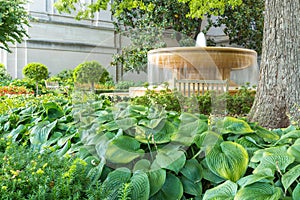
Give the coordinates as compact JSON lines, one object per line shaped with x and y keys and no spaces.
{"x":14,"y":19}
{"x":65,"y":78}
{"x":36,"y":72}
{"x":243,"y":24}
{"x":146,"y":24}
{"x":215,"y":7}
{"x":91,"y":72}
{"x":121,"y":85}
{"x":237,"y":104}
{"x":5,"y":78}
{"x":28,"y":84}
{"x":146,"y":152}
{"x":26,"y":174}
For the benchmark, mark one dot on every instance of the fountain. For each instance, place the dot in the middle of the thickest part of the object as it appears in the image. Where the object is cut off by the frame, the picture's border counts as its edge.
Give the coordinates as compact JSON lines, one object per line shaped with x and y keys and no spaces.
{"x":198,"y":63}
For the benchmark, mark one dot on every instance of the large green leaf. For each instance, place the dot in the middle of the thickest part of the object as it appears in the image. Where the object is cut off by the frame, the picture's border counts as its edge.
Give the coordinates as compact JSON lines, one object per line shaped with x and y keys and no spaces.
{"x":39,"y":134}
{"x":266,"y":135}
{"x":188,"y":130}
{"x":235,"y":126}
{"x":123,"y":149}
{"x":274,"y":158}
{"x":156,"y":177}
{"x":126,"y":123}
{"x":208,"y":140}
{"x":140,"y":186}
{"x":225,"y":191}
{"x":296,"y":192}
{"x":294,"y":150}
{"x":170,"y":157}
{"x":53,"y":110}
{"x":191,"y":179}
{"x":229,"y":160}
{"x":259,"y":191}
{"x":265,"y":175}
{"x":114,"y":181}
{"x":295,"y":134}
{"x":172,"y":189}
{"x":289,"y":177}
{"x":153,"y":136}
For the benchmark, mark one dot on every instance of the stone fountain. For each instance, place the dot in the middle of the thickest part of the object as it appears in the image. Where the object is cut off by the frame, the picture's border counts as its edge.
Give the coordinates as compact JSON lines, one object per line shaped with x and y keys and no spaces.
{"x":199,"y":63}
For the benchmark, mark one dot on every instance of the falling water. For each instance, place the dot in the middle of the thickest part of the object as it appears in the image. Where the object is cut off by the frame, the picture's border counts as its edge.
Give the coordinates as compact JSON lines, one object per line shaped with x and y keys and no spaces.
{"x":200,"y":40}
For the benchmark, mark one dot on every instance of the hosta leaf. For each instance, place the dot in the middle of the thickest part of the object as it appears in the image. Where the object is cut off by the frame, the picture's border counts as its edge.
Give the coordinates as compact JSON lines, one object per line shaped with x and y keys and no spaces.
{"x":126,"y":123}
{"x":225,"y":191}
{"x":172,"y":159}
{"x":229,"y":160}
{"x":265,"y":175}
{"x":39,"y":133}
{"x":191,"y":179}
{"x":53,"y":110}
{"x":294,"y":150}
{"x":114,"y":181}
{"x":139,"y":185}
{"x":209,"y":175}
{"x":273,"y":158}
{"x":295,"y":134}
{"x":191,"y":187}
{"x":147,"y":135}
{"x":296,"y":192}
{"x":259,"y":191}
{"x":186,"y":118}
{"x":64,"y":139}
{"x":156,"y":177}
{"x":172,"y":189}
{"x":123,"y":149}
{"x":192,"y":170}
{"x":188,"y":131}
{"x":289,"y":177}
{"x":14,"y":134}
{"x":208,"y":140}
{"x":156,"y":124}
{"x":266,"y":135}
{"x":235,"y":126}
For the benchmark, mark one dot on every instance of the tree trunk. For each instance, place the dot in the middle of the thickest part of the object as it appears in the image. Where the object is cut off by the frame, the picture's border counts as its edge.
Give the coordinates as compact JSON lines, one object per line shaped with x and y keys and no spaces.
{"x":277,"y":100}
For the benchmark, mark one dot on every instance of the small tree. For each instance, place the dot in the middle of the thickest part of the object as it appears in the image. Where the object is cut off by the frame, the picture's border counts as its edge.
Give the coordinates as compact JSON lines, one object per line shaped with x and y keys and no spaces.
{"x":36,"y":72}
{"x":90,"y":72}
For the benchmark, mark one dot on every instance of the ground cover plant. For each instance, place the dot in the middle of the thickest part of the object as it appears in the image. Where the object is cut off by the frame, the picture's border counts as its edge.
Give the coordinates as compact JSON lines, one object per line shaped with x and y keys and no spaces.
{"x":146,"y":152}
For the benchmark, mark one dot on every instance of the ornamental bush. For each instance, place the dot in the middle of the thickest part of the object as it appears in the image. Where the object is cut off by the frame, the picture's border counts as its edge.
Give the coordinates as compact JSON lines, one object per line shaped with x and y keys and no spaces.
{"x":36,"y":72}
{"x":5,"y":78}
{"x":91,"y":72}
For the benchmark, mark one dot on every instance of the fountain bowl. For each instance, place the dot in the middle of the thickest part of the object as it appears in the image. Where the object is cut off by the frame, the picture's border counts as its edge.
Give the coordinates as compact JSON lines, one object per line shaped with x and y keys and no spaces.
{"x":202,"y":62}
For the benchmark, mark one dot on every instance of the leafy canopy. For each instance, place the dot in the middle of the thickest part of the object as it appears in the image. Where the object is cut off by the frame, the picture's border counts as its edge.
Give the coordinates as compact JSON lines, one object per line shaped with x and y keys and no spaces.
{"x":13,"y":22}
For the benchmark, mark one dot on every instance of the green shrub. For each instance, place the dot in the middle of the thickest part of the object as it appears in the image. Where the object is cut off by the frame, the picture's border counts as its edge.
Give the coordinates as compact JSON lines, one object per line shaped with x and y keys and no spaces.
{"x":5,"y":78}
{"x":36,"y":72}
{"x":26,"y":174}
{"x":65,"y":78}
{"x":91,"y":72}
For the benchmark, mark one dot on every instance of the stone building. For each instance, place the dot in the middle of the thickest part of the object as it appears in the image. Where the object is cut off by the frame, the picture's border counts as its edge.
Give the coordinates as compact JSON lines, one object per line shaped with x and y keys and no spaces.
{"x":61,"y":42}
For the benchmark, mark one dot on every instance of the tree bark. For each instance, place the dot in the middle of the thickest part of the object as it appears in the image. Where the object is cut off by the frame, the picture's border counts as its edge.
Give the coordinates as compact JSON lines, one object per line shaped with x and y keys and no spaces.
{"x":277,"y":101}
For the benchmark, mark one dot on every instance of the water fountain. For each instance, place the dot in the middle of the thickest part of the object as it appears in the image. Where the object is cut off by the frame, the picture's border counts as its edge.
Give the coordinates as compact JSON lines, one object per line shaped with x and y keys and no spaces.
{"x":198,"y":63}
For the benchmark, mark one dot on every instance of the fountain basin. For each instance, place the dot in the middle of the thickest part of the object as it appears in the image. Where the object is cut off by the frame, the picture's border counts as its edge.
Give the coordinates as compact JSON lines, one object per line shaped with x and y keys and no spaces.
{"x":205,"y":63}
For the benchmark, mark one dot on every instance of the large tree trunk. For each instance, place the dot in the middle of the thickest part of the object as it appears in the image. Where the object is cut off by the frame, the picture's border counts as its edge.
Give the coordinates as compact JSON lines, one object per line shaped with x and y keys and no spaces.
{"x":277,"y":100}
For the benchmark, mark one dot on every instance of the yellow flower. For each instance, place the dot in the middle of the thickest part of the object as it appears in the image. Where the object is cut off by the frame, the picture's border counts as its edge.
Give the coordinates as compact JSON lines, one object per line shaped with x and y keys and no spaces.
{"x":4,"y":187}
{"x":39,"y":171}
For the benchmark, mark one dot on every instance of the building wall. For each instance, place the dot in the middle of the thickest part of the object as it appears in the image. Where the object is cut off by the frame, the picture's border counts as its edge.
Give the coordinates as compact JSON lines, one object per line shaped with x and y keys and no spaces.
{"x":61,"y":42}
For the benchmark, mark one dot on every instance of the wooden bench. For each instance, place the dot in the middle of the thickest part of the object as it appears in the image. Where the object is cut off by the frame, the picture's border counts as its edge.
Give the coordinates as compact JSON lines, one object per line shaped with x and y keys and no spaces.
{"x":199,"y":87}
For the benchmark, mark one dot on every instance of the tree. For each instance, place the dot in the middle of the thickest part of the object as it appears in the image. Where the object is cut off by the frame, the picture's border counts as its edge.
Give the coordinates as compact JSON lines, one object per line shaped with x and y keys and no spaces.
{"x":13,"y":20}
{"x":36,"y":72}
{"x":243,"y":24}
{"x":91,"y":72}
{"x":277,"y":100}
{"x":144,"y":23}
